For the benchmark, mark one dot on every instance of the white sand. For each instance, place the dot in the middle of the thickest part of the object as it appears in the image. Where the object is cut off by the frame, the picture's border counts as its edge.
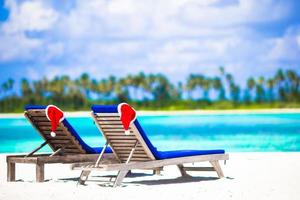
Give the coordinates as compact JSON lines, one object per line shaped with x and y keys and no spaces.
{"x":248,"y":176}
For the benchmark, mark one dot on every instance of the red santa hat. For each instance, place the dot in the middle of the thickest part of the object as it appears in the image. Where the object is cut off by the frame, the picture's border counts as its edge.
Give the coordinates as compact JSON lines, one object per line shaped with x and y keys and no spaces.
{"x":55,"y":116}
{"x":127,"y":116}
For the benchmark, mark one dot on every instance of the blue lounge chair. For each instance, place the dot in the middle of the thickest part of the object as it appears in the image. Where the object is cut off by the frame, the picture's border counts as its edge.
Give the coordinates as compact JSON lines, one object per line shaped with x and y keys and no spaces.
{"x":135,"y":151}
{"x":67,"y":140}
{"x":67,"y":146}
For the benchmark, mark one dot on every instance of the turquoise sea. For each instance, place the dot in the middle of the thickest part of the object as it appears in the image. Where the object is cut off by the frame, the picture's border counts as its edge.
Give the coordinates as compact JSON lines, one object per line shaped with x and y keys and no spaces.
{"x":232,"y":132}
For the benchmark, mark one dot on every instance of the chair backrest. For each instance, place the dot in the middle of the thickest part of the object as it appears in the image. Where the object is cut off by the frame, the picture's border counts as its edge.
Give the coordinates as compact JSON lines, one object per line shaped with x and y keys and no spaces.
{"x":110,"y":125}
{"x":63,"y":139}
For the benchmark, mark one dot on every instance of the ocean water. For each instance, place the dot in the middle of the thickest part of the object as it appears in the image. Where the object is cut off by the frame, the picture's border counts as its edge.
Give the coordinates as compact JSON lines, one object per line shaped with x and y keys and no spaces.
{"x":232,"y":132}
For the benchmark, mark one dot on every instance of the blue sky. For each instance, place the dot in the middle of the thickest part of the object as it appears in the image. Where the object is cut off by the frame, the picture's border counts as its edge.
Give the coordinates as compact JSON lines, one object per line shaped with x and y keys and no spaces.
{"x":118,"y":37}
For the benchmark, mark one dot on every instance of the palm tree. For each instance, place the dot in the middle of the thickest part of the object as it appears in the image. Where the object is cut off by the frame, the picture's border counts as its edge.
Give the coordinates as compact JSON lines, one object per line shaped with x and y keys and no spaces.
{"x":179,"y":91}
{"x":293,"y":84}
{"x":249,"y":90}
{"x":206,"y":85}
{"x":223,"y":79}
{"x":190,"y":85}
{"x":279,"y":80}
{"x":7,"y":85}
{"x":270,"y":85}
{"x":198,"y":81}
{"x":161,"y":89}
{"x":260,"y":92}
{"x":111,"y":84}
{"x":218,"y":86}
{"x":40,"y":89}
{"x":121,"y":90}
{"x":235,"y":93}
{"x":26,"y":91}
{"x":85,"y":83}
{"x":233,"y":88}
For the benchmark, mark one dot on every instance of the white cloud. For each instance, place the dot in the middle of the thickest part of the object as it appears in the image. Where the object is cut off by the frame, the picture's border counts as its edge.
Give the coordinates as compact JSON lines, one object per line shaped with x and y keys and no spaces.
{"x":29,"y":16}
{"x":286,"y":48}
{"x":25,"y":17}
{"x":242,"y":12}
{"x":124,"y":36}
{"x":18,"y":47}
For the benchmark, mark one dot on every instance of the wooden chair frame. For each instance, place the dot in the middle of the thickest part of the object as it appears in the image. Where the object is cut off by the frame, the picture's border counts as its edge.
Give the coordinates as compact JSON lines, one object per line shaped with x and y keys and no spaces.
{"x":66,"y":149}
{"x":130,"y":162}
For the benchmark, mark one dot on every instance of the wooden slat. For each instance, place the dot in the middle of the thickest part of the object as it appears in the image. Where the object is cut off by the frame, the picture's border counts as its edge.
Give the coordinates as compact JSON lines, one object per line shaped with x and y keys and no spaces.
{"x":48,"y":123}
{"x":112,"y":126}
{"x":128,"y":152}
{"x":116,"y":142}
{"x":59,"y":137}
{"x":110,"y":122}
{"x":71,"y":150}
{"x":134,"y":155}
{"x":61,"y":133}
{"x":108,"y":115}
{"x":122,"y":149}
{"x":116,"y":130}
{"x":119,"y":132}
{"x":40,"y":119}
{"x":56,"y":141}
{"x":124,"y":145}
{"x":48,"y":128}
{"x":122,"y":137}
{"x":37,"y":113}
{"x":109,"y":134}
{"x":69,"y":146}
{"x":108,"y":119}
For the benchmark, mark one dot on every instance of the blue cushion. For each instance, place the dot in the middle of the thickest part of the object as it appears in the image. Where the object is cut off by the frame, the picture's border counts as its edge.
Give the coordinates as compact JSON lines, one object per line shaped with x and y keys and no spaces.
{"x":87,"y":148}
{"x":157,"y":154}
{"x":183,"y":153}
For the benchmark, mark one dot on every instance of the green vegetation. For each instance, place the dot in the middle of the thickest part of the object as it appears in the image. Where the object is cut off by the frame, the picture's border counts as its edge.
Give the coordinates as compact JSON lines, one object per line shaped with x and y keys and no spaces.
{"x":155,"y":92}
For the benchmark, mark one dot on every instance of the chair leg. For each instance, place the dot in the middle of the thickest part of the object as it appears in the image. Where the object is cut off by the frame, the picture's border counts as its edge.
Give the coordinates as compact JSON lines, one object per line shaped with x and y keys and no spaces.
{"x":120,"y":177}
{"x":11,"y":171}
{"x":182,"y":171}
{"x":217,"y":168}
{"x":83,"y":177}
{"x":39,"y":172}
{"x":157,"y":171}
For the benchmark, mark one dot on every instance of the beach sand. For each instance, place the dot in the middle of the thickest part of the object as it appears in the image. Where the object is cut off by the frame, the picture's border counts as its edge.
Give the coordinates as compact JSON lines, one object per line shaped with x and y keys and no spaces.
{"x":248,"y":176}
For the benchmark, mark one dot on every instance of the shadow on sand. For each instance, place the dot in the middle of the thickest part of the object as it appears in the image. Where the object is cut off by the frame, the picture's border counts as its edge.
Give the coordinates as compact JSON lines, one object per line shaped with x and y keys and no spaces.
{"x":187,"y":179}
{"x":182,"y":179}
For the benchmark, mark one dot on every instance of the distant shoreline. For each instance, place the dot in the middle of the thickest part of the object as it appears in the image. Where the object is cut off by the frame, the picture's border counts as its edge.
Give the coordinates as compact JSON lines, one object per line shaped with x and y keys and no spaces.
{"x":179,"y":112}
